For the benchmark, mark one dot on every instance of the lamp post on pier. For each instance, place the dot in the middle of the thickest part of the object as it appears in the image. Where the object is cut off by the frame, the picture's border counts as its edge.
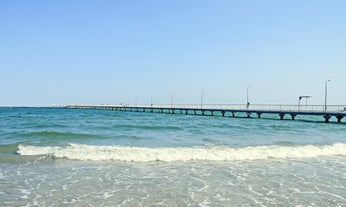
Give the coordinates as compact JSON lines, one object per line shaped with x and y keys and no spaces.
{"x":172,"y":94}
{"x":202,"y":99}
{"x":247,"y":96}
{"x":325,"y":93}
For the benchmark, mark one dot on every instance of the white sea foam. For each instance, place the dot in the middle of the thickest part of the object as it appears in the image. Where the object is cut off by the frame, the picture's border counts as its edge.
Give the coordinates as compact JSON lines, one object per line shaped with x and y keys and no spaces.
{"x":171,"y":154}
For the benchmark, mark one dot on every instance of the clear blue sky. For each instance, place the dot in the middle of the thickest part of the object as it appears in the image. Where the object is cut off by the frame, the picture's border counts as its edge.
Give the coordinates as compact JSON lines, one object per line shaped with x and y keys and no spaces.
{"x":91,"y":52}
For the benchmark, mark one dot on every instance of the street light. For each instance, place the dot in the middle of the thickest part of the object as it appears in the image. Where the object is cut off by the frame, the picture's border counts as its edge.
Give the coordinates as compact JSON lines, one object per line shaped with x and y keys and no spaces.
{"x":172,"y":94}
{"x":325,"y":93}
{"x":247,"y":96}
{"x":151,"y":101}
{"x":202,"y":98}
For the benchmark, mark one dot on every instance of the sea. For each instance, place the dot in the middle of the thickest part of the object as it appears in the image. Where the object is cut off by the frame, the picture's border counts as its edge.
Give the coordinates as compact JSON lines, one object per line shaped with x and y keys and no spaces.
{"x":83,"y":157}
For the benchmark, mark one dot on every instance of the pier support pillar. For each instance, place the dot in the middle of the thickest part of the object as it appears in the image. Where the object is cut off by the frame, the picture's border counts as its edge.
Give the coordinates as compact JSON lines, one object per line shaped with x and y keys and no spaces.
{"x":339,"y":117}
{"x":326,"y":118}
{"x":233,"y":114}
{"x":259,"y":115}
{"x":195,"y":112}
{"x":202,"y":112}
{"x":187,"y":112}
{"x":282,"y":115}
{"x":223,"y":113}
{"x":181,"y":111}
{"x":143,"y":110}
{"x":248,"y":114}
{"x":293,"y":116}
{"x":212,"y":113}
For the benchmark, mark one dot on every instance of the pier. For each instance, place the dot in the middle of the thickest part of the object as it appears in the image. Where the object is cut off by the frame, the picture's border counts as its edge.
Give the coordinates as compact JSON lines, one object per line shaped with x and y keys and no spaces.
{"x":282,"y":111}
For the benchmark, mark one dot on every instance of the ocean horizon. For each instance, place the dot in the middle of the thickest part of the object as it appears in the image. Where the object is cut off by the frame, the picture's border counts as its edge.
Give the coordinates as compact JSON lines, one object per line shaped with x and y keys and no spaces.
{"x":55,"y":156}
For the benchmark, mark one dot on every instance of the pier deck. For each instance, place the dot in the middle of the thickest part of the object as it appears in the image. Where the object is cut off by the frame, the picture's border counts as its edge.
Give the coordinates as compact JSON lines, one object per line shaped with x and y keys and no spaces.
{"x":339,"y":112}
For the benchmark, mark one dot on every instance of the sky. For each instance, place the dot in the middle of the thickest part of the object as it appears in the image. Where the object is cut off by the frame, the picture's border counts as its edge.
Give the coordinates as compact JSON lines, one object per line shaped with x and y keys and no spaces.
{"x":112,"y":51}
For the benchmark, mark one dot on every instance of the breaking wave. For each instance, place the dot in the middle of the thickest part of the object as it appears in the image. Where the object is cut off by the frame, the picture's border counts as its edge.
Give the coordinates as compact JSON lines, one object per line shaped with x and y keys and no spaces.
{"x":172,"y":154}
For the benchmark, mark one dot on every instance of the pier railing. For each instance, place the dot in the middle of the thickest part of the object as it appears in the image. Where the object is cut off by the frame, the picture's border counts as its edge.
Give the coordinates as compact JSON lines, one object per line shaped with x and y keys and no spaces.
{"x":288,"y":108}
{"x":243,"y":107}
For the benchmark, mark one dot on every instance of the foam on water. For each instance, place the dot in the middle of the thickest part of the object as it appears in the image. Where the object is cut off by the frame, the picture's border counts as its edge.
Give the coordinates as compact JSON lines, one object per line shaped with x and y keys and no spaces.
{"x":171,"y":154}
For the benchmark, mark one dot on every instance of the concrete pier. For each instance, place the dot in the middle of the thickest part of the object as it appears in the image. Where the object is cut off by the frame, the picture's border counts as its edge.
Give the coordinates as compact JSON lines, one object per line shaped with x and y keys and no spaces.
{"x":338,"y":112}
{"x":339,"y":117}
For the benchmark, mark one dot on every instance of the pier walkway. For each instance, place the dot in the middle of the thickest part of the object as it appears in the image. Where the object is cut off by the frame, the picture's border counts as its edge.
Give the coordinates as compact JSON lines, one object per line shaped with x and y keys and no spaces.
{"x":291,"y":111}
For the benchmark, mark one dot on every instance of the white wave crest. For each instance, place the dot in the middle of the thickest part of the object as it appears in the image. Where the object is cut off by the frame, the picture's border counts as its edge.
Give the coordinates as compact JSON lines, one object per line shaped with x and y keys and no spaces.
{"x":171,"y":154}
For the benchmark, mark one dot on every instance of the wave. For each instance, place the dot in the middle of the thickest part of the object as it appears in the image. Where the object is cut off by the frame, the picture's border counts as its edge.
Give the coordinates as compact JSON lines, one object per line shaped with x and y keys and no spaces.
{"x":58,"y":135}
{"x":172,"y":154}
{"x":147,"y":127}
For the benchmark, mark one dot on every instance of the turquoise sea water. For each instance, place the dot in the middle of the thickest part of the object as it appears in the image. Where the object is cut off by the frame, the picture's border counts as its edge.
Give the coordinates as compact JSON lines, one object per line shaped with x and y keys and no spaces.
{"x":71,"y":157}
